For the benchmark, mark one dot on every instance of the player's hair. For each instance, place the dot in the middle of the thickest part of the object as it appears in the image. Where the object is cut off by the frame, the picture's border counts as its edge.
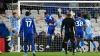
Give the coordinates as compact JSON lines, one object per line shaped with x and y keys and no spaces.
{"x":45,"y":13}
{"x":68,"y":16}
{"x":59,"y":15}
{"x":79,"y":14}
{"x":27,"y":13}
{"x":14,"y":13}
{"x":85,"y":16}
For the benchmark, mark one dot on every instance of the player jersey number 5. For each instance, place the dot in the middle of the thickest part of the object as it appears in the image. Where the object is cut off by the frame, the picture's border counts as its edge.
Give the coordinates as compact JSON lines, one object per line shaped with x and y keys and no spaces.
{"x":28,"y":23}
{"x":79,"y":23}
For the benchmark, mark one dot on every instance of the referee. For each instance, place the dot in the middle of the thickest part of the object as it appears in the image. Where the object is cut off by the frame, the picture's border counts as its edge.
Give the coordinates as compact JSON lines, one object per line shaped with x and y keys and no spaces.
{"x":69,"y":25}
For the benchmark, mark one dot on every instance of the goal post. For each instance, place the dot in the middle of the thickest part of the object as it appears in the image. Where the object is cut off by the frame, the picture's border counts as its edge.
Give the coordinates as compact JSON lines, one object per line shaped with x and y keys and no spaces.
{"x":37,"y":9}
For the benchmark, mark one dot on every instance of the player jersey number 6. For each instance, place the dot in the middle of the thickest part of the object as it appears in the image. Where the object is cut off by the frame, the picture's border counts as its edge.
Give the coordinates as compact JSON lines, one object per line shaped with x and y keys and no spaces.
{"x":79,"y":23}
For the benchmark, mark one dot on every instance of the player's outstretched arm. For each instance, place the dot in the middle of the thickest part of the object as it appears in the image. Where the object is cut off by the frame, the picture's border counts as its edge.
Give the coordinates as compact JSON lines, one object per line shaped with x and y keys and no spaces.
{"x":39,"y":19}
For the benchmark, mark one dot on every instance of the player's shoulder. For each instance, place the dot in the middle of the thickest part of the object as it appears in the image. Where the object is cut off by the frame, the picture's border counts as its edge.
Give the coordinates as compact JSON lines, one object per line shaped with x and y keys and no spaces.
{"x":88,"y":21}
{"x":49,"y":15}
{"x":76,"y":19}
{"x":31,"y":18}
{"x":46,"y":16}
{"x":23,"y":18}
{"x":82,"y":19}
{"x":62,"y":19}
{"x":72,"y":20}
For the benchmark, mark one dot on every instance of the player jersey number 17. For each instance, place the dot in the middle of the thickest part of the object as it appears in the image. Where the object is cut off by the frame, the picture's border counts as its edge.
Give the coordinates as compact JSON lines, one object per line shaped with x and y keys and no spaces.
{"x":28,"y":23}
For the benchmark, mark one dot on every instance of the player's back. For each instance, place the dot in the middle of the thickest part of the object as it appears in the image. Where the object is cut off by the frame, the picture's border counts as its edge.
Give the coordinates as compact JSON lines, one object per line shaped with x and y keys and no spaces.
{"x":14,"y":21}
{"x":59,"y":22}
{"x":28,"y":24}
{"x":69,"y":24}
{"x":49,"y":19}
{"x":88,"y":28}
{"x":79,"y":22}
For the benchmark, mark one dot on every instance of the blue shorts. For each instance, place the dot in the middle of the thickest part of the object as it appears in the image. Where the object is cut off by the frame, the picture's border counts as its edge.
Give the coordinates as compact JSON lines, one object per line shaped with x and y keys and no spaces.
{"x":28,"y":37}
{"x":51,"y":30}
{"x":89,"y":37}
{"x":79,"y":35}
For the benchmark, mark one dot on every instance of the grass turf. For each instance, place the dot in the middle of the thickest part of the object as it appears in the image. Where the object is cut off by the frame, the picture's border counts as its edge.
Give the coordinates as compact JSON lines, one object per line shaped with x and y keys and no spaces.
{"x":51,"y":54}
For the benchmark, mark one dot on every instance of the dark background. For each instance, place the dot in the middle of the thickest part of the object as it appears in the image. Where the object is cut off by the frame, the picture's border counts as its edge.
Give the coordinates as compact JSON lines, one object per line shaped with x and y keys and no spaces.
{"x":4,"y":6}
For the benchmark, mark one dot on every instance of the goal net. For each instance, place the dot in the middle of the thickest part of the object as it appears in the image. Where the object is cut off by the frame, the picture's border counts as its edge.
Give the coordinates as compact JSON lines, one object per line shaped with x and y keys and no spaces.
{"x":37,"y":10}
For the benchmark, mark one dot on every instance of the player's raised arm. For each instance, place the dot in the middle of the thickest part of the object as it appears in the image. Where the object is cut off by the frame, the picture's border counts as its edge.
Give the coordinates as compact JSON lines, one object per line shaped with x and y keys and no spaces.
{"x":42,"y":18}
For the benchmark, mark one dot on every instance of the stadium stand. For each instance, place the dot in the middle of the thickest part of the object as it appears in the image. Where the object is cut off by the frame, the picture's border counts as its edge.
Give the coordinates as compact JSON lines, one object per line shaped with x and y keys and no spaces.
{"x":38,"y":11}
{"x":53,"y":11}
{"x":36,"y":16}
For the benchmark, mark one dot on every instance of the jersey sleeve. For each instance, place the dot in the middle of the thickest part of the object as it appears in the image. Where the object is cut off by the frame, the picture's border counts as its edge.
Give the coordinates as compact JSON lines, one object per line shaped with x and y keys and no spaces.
{"x":34,"y":27}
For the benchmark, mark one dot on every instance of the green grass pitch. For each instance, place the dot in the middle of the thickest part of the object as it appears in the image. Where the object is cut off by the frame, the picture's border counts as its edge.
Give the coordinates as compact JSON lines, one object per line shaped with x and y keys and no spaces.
{"x":51,"y":54}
